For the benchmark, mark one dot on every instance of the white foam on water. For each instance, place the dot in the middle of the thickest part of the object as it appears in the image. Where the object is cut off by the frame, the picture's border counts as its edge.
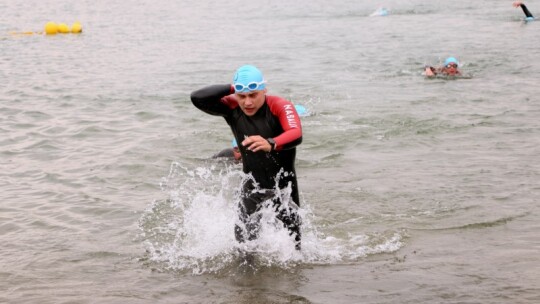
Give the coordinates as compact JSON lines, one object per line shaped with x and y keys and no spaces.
{"x":193,"y":230}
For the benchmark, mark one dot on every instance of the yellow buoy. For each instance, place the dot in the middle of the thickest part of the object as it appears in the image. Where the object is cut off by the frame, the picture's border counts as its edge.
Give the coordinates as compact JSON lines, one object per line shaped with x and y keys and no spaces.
{"x":76,"y":28}
{"x":51,"y":28}
{"x":63,"y":28}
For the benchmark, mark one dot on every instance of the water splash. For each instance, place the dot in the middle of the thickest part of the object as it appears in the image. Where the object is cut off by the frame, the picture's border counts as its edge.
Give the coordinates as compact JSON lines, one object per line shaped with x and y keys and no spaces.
{"x":193,"y":229}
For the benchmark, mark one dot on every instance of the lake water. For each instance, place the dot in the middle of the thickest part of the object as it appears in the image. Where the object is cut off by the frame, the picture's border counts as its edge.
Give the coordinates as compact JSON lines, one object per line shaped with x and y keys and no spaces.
{"x":413,"y":190}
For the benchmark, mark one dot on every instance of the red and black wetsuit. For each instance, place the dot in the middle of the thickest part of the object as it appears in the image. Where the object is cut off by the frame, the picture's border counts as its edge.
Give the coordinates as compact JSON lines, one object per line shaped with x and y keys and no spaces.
{"x":277,"y":119}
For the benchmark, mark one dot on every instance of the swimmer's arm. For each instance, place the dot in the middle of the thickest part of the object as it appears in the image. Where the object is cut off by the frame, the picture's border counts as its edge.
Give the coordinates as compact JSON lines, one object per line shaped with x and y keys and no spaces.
{"x":287,"y":140}
{"x":430,"y":71}
{"x":524,"y":8}
{"x":526,"y":11}
{"x":290,"y":122}
{"x":211,"y":99}
{"x":256,"y":143}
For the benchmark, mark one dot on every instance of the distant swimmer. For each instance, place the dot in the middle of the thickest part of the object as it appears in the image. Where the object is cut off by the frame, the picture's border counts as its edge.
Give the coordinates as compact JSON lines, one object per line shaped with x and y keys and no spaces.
{"x":450,"y":68}
{"x":528,"y":15}
{"x":381,"y":11}
{"x":232,"y":153}
{"x":301,"y":110}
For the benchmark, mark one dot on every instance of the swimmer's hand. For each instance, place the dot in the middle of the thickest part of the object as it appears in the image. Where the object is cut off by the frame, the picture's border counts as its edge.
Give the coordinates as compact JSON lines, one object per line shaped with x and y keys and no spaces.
{"x":517,"y":3}
{"x":256,"y":143}
{"x":429,"y":71}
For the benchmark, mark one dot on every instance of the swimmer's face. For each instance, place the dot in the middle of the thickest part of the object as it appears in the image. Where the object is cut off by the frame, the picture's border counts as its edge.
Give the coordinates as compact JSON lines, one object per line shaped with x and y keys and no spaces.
{"x":251,"y":102}
{"x":451,"y":69}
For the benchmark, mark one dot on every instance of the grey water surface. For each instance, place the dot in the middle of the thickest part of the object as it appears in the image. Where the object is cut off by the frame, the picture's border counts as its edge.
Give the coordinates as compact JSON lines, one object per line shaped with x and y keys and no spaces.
{"x":413,"y":190}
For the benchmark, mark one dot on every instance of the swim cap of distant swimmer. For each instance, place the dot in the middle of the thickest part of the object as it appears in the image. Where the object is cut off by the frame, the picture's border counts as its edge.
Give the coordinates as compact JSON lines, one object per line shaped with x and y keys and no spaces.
{"x":301,"y":110}
{"x":380,"y":12}
{"x":450,"y":60}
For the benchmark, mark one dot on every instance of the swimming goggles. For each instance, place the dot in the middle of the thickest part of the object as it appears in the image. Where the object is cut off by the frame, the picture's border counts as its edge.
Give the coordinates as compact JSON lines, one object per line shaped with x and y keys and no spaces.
{"x":252,"y":86}
{"x":451,"y":65}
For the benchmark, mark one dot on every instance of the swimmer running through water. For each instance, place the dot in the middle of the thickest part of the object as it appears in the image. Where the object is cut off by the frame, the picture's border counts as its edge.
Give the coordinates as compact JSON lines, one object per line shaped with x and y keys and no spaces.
{"x":268,"y":130}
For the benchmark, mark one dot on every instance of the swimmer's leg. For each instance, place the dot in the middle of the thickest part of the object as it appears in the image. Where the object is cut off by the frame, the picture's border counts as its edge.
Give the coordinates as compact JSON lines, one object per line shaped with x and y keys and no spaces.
{"x":291,"y":220}
{"x":249,"y":218}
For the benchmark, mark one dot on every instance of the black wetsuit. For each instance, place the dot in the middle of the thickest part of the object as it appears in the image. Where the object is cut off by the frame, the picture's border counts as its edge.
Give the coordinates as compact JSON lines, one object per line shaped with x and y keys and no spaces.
{"x":277,"y":119}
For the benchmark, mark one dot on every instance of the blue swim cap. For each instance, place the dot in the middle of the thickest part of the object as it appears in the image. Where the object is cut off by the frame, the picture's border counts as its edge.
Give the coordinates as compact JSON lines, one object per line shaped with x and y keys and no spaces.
{"x":381,"y":11}
{"x":248,"y":78}
{"x":234,"y":143}
{"x":450,"y":60}
{"x":300,"y":110}
{"x":529,"y":19}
